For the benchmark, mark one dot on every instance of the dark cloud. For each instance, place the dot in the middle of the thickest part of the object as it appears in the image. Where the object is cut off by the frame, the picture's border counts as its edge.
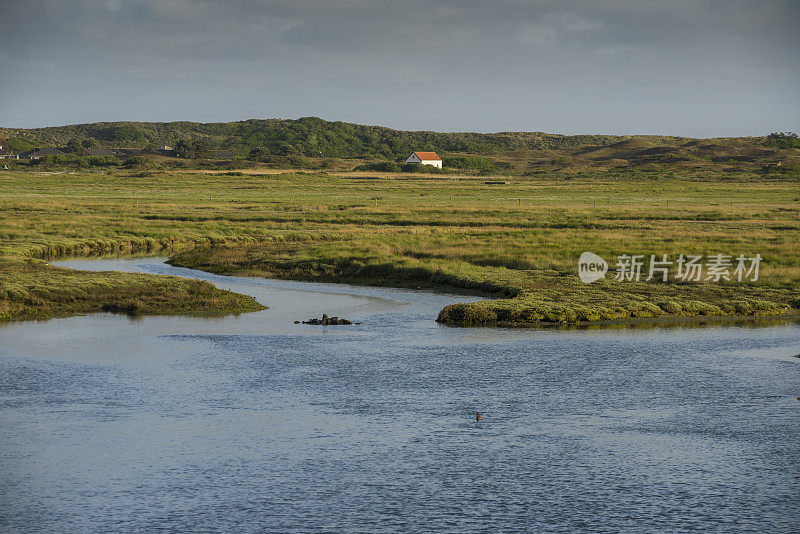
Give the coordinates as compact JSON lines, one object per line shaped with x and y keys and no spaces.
{"x":686,"y":67}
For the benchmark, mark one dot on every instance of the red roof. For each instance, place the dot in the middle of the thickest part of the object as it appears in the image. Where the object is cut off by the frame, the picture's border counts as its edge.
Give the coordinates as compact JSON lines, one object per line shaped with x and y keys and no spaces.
{"x":427,"y":156}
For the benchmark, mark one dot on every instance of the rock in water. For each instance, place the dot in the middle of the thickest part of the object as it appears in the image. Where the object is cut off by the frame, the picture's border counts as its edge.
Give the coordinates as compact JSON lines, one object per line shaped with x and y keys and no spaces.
{"x":327,"y":321}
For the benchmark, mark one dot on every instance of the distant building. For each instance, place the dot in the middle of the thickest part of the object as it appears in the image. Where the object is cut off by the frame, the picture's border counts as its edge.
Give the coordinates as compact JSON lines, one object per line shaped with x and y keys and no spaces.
{"x":425,"y":158}
{"x":38,"y":153}
{"x":8,"y":155}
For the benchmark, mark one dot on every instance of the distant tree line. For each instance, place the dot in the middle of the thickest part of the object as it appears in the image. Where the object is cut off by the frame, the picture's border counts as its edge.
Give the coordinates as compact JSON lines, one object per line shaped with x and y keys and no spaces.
{"x":309,"y":137}
{"x":782,"y":140}
{"x":313,"y":143}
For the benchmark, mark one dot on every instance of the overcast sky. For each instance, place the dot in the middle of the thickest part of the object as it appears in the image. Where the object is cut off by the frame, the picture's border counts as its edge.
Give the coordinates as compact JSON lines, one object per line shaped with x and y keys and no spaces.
{"x":682,"y":67}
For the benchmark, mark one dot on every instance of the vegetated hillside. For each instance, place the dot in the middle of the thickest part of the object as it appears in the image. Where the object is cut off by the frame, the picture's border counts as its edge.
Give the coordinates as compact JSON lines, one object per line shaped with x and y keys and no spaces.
{"x":313,"y":137}
{"x":309,"y":136}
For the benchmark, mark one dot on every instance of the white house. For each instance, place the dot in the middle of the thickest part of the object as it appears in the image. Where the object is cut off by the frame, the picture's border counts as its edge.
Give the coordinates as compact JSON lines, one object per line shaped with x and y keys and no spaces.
{"x":426,"y":158}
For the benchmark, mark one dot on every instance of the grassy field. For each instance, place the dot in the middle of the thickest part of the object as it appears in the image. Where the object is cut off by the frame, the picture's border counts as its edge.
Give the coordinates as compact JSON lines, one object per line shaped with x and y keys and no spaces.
{"x":517,"y":241}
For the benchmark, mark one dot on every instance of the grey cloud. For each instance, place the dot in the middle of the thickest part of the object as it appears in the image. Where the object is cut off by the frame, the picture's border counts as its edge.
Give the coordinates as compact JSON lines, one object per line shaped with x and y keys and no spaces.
{"x":561,"y":65}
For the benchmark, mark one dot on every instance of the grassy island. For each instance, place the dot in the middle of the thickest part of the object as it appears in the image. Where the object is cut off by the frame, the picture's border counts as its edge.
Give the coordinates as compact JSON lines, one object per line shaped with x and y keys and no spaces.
{"x":34,"y":290}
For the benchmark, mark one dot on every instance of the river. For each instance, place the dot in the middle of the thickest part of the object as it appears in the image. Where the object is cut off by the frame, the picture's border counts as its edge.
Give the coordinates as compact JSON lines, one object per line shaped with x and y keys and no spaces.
{"x":253,"y":423}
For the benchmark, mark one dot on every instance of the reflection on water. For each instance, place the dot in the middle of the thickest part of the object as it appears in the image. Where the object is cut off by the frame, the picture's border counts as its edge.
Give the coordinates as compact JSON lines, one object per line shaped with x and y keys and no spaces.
{"x":253,"y":423}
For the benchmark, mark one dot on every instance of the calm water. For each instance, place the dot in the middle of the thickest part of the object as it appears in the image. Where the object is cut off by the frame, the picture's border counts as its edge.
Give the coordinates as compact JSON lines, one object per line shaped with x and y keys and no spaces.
{"x":253,"y":423}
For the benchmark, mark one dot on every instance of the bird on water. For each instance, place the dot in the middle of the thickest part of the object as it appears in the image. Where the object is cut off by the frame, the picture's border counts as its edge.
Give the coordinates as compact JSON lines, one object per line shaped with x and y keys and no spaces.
{"x":478,"y":416}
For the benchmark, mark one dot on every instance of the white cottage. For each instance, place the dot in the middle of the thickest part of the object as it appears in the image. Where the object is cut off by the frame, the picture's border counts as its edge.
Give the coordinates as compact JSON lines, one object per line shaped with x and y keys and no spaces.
{"x":426,"y":158}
